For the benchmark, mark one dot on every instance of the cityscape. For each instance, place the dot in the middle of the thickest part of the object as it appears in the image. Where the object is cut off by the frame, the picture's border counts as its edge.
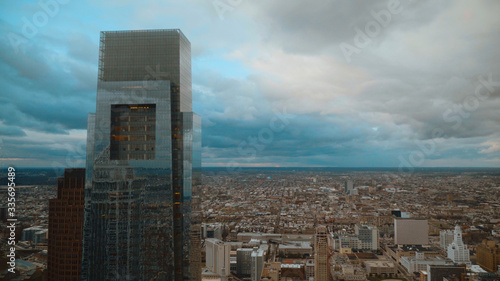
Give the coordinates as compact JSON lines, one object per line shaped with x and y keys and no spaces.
{"x":271,"y":223}
{"x":155,"y":142}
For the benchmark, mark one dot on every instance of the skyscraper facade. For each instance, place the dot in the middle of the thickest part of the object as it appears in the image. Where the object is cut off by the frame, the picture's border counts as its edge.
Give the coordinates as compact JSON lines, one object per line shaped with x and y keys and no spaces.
{"x":457,"y":250}
{"x":257,"y":263}
{"x":143,"y":161}
{"x":321,"y":254}
{"x":66,"y":227}
{"x":445,"y":238}
{"x":218,"y":256}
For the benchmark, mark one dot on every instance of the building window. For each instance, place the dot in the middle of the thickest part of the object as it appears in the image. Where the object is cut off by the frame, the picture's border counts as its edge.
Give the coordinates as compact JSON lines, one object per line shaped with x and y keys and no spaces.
{"x":133,"y":129}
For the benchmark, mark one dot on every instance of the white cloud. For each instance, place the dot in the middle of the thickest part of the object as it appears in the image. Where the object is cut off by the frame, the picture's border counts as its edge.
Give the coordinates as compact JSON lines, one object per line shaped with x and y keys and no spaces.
{"x":493,"y":146}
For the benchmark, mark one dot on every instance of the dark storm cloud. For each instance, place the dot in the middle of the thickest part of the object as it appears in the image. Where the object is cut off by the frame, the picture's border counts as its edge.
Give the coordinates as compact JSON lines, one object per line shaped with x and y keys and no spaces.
{"x":11,"y":131}
{"x":236,"y":133}
{"x":9,"y":114}
{"x":44,"y":89}
{"x":43,"y":111}
{"x":69,"y":113}
{"x":32,"y":67}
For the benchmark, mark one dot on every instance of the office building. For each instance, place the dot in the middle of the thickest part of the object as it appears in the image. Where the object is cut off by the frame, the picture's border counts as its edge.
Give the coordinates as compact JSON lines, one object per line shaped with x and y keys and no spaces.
{"x":29,"y":234}
{"x":257,"y":257}
{"x":218,"y":256}
{"x":347,"y":242}
{"x":445,"y":238}
{"x":212,"y":230}
{"x":40,"y":237}
{"x":450,"y":272}
{"x":244,"y":262}
{"x":380,"y":268}
{"x":309,"y":269}
{"x":419,"y":262}
{"x":196,"y":217}
{"x":488,"y":255}
{"x":143,"y":161}
{"x":66,"y":227}
{"x":408,"y":231}
{"x":397,"y":213}
{"x":368,"y":236}
{"x":457,"y":250}
{"x":348,"y":187}
{"x":321,"y":254}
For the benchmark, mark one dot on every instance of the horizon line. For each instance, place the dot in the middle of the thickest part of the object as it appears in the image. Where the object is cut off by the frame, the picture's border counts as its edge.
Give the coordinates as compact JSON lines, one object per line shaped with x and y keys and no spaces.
{"x":278,"y":167}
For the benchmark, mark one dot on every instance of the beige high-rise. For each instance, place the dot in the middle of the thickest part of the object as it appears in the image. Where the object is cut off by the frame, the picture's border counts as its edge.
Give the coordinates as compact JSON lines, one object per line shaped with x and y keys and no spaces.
{"x":321,"y":254}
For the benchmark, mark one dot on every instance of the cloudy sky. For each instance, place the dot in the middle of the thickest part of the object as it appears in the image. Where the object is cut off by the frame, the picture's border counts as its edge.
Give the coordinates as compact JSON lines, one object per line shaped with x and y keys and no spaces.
{"x":277,"y":83}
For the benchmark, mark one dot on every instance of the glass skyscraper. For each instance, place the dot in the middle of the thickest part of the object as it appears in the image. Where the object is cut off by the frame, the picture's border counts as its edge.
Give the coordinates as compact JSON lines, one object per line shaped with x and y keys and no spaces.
{"x":143,"y":161}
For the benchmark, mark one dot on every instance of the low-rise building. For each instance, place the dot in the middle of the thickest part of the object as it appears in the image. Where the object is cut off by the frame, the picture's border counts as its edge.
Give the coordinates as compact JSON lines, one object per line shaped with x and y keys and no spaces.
{"x":419,"y":262}
{"x":451,"y":272}
{"x":383,"y":268}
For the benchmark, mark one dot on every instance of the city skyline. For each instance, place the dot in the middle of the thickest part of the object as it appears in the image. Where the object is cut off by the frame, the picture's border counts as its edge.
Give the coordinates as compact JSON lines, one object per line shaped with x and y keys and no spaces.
{"x":362,"y":85}
{"x":268,"y":218}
